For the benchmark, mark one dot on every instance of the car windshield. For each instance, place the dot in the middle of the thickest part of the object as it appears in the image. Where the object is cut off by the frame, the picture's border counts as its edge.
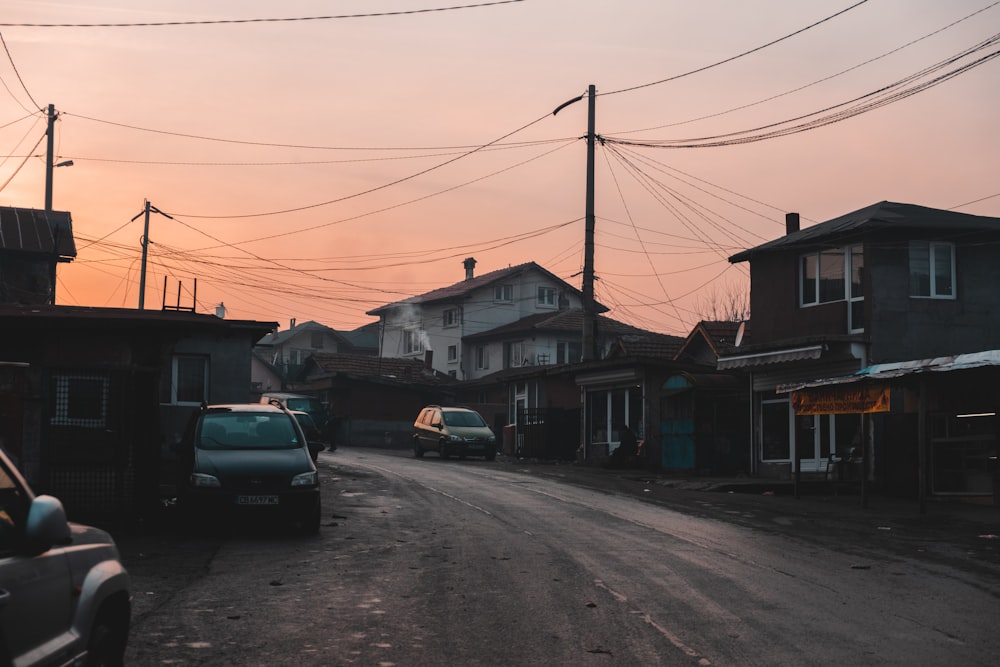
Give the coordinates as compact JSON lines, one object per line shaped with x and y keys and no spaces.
{"x":463,"y":418}
{"x":247,"y":430}
{"x":303,"y":404}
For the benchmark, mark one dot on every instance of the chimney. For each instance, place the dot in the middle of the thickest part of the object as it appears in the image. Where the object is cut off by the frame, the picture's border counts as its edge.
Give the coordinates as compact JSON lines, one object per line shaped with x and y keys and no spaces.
{"x":220,"y":311}
{"x":291,"y":323}
{"x":791,"y":223}
{"x":429,"y":360}
{"x":470,"y":266}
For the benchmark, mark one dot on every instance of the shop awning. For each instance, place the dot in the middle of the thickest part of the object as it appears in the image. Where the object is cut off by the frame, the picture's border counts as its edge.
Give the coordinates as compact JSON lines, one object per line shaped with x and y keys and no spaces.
{"x":774,"y":357}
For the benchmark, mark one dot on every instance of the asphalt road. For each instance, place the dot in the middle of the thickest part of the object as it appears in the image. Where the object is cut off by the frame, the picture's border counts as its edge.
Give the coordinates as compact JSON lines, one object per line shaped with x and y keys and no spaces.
{"x":433,"y":562}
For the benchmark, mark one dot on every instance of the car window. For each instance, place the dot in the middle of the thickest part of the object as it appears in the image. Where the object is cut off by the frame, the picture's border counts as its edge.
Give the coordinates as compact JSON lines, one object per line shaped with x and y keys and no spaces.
{"x":247,"y":430}
{"x":463,"y":418}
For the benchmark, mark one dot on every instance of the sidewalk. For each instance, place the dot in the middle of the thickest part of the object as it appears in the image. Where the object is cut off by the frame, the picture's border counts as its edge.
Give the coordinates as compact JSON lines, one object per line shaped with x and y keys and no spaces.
{"x":819,"y":503}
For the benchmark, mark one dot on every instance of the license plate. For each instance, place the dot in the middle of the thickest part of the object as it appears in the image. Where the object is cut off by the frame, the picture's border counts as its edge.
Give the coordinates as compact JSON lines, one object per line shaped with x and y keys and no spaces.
{"x":256,"y":500}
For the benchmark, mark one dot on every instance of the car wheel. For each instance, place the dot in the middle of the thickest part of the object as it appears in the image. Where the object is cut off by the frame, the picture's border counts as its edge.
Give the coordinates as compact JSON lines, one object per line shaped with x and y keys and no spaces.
{"x":108,"y":638}
{"x":418,"y":451}
{"x":443,"y":450}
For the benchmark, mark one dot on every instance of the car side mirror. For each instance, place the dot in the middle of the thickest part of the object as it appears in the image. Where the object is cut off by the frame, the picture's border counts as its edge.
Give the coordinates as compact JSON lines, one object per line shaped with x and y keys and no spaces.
{"x":47,"y":525}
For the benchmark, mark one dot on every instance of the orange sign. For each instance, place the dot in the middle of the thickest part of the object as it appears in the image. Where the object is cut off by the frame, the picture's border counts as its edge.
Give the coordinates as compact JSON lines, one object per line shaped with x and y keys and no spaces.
{"x":840,"y":400}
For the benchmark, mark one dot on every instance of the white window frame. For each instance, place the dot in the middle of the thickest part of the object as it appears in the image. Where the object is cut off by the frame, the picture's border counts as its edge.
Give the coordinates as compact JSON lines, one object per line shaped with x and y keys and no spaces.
{"x":452,"y":353}
{"x":517,"y":355}
{"x":449,"y":318}
{"x":936,"y":250}
{"x":503,"y":293}
{"x":413,"y":341}
{"x":482,"y":358}
{"x":823,"y":259}
{"x":547,"y":297}
{"x":175,"y":383}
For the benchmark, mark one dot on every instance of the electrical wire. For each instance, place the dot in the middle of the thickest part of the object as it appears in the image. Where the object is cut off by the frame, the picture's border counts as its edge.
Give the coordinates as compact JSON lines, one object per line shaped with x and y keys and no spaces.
{"x":149,"y":24}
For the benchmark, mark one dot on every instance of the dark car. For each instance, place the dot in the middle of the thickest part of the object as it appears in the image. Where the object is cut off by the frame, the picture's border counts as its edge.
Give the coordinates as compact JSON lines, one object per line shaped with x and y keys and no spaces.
{"x":65,"y":598}
{"x":248,"y":460}
{"x":459,"y":431}
{"x":314,"y":436}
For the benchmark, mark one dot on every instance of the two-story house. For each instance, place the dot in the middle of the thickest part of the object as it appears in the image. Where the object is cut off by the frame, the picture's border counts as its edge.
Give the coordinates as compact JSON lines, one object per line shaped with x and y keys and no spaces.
{"x":890,"y":284}
{"x":281,"y":356}
{"x":439,"y":324}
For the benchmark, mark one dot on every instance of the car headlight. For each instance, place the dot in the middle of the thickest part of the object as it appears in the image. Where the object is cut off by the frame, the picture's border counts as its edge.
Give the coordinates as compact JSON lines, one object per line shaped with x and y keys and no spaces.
{"x":455,"y":438}
{"x":203,"y":481}
{"x":306,"y":479}
{"x":492,"y":440}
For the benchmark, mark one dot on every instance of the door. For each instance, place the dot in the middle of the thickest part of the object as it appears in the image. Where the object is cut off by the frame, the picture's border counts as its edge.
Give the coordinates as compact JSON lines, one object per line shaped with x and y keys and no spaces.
{"x":677,"y":432}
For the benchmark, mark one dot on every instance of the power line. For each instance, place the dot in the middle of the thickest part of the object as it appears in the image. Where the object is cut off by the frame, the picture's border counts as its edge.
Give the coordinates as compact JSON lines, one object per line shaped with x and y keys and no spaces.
{"x":257,"y":20}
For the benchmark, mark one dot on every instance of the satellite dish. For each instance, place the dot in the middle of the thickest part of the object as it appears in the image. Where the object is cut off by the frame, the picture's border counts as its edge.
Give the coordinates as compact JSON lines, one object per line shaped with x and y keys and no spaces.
{"x":739,"y":334}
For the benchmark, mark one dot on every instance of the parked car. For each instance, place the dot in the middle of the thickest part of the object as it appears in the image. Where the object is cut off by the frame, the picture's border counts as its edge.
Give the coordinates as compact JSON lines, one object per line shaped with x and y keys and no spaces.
{"x":459,"y":431}
{"x":313,"y":435}
{"x":65,"y":597}
{"x":249,"y":460}
{"x":298,"y":402}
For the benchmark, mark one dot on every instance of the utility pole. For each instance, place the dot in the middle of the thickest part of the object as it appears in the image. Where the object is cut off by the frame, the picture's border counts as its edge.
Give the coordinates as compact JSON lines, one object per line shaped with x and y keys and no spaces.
{"x":589,"y":339}
{"x":589,"y":317}
{"x":145,"y":248}
{"x":50,"y":147}
{"x":50,"y":164}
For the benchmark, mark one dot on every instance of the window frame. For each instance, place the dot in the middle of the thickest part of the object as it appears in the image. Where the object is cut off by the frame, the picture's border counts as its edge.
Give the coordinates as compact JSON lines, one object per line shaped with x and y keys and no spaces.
{"x":933,"y":249}
{"x":62,"y":400}
{"x":546,"y":297}
{"x":450,"y":317}
{"x":503,"y":293}
{"x":413,"y":342}
{"x":482,"y":356}
{"x":174,"y":381}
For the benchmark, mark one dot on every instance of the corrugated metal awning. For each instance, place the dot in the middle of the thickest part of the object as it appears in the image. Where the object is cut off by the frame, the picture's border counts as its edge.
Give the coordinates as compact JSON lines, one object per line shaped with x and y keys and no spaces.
{"x":775,"y":357}
{"x":901,"y":368}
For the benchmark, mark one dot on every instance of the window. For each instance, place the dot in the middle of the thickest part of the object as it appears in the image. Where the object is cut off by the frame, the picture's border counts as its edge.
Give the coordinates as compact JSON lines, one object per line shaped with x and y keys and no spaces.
{"x":317,"y":340}
{"x":453,"y":374}
{"x":453,"y":353}
{"x":568,"y":352}
{"x":516,"y":356}
{"x":80,"y":400}
{"x":413,"y":341}
{"x":856,"y":289}
{"x":189,"y":379}
{"x":546,"y":297}
{"x":482,"y":358}
{"x":822,"y":277}
{"x":503,"y":293}
{"x":932,"y":270}
{"x":450,"y":317}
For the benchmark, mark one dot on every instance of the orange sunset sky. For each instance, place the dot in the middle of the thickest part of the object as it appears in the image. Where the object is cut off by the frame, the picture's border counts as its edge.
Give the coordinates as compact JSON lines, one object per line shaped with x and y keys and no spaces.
{"x":318,"y":159}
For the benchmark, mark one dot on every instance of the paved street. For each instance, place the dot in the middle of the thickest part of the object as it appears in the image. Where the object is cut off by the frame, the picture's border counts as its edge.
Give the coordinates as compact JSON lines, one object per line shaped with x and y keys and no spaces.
{"x":435,"y":562}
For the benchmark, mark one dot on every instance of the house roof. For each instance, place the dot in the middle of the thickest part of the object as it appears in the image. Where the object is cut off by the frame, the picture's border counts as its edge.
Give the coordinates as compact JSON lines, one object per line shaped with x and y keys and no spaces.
{"x":34,"y":231}
{"x":719,"y":336}
{"x":364,"y":337}
{"x":47,"y":316}
{"x":466,"y":287}
{"x":567,"y":320}
{"x":279,"y":337}
{"x":411,"y":371}
{"x":877,"y":217}
{"x":647,"y":345}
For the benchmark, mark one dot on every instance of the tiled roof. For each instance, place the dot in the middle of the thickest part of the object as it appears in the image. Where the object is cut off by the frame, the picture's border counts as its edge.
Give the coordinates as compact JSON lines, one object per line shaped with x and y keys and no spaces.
{"x":465,"y":287}
{"x":365,"y":366}
{"x":34,"y":231}
{"x":649,"y":344}
{"x":877,"y":217}
{"x":567,"y":320}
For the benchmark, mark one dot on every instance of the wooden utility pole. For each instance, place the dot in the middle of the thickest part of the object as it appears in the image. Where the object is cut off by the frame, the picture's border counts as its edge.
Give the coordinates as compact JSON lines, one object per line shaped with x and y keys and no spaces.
{"x":145,"y":248}
{"x":589,"y":340}
{"x":50,"y":147}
